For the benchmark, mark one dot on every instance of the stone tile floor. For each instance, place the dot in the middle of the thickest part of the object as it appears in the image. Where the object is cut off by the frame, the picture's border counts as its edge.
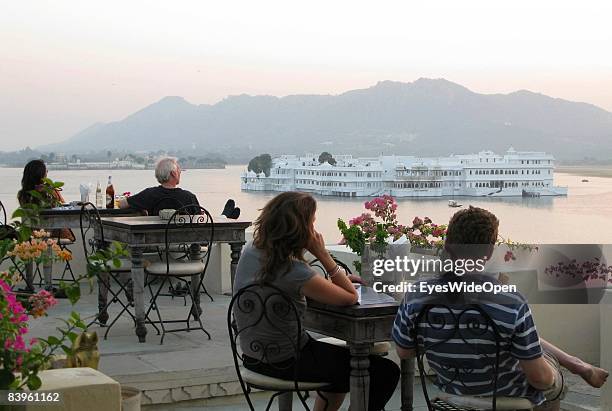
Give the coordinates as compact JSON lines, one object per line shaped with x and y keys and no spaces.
{"x":579,"y":398}
{"x":190,"y":372}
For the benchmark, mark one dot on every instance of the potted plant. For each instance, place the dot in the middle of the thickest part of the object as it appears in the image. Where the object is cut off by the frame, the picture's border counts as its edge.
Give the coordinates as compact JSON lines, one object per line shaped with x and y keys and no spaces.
{"x":22,"y":357}
{"x":370,"y":234}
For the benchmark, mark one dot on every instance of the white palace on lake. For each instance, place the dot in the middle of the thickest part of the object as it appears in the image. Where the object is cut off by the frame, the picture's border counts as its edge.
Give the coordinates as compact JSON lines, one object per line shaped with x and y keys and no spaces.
{"x":515,"y":173}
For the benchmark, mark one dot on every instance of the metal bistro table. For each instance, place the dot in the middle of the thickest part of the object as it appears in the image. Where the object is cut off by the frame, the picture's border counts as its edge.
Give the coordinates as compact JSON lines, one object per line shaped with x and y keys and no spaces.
{"x":67,"y":217}
{"x":146,"y":231}
{"x":360,"y":326}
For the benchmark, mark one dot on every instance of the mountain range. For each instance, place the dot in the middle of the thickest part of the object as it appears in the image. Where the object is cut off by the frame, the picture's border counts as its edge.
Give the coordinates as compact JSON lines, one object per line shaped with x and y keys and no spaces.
{"x":425,"y":117}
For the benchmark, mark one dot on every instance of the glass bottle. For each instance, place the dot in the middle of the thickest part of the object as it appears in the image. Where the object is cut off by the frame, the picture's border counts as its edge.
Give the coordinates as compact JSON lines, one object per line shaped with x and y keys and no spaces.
{"x":99,"y":202}
{"x":110,"y":194}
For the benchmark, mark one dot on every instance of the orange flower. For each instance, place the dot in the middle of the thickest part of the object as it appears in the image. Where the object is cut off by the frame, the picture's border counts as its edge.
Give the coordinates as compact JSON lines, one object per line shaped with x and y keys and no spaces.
{"x":65,"y":255}
{"x":40,"y":234}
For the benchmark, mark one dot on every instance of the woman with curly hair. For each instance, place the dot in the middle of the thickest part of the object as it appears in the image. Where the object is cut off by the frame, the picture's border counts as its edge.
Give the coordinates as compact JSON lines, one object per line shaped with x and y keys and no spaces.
{"x":283,"y":233}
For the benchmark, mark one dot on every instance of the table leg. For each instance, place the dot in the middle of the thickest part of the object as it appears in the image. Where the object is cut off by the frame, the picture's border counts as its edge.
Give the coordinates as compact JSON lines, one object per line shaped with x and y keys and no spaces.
{"x":138,"y":276}
{"x":195,"y":254}
{"x":285,"y":401}
{"x":407,"y":383}
{"x":236,"y":249}
{"x":360,"y":376}
{"x":103,"y":283}
{"x":29,"y":276}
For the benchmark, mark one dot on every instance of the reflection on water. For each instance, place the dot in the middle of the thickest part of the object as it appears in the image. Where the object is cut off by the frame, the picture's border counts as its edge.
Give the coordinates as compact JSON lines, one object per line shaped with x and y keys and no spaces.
{"x":542,"y":202}
{"x":584,"y":216}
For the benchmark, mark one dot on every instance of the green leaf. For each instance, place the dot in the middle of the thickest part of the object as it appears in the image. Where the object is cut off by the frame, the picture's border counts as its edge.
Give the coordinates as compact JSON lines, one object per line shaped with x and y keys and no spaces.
{"x":18,"y":213}
{"x":116,"y":262}
{"x":72,"y":336}
{"x":67,"y":350}
{"x":34,"y":382}
{"x":73,"y":293}
{"x":53,"y":340}
{"x":25,"y":233}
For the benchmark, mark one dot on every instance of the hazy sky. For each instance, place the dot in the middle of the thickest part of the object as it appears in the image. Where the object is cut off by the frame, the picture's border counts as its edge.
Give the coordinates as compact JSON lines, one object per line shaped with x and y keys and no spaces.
{"x":65,"y":65}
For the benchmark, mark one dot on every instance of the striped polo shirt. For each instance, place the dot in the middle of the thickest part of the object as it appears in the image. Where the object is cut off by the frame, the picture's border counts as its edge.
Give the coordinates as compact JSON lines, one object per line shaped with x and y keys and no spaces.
{"x":464,"y":361}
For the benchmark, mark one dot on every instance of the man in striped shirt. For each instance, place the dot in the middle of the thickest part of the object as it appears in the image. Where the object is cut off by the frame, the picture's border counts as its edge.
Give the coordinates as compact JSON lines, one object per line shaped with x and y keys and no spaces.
{"x":464,"y":360}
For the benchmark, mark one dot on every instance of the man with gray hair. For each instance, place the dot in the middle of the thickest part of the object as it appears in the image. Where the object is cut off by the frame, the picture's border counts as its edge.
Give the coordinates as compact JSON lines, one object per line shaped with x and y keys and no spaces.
{"x":166,"y":195}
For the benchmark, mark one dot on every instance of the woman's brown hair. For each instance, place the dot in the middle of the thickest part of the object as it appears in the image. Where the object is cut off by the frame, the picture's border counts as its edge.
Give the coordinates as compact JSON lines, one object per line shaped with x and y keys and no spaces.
{"x":282,"y":231}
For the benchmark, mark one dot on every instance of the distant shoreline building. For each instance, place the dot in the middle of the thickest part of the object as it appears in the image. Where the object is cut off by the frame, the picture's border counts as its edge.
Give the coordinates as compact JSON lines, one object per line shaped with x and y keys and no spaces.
{"x":515,"y":173}
{"x":98,"y":165}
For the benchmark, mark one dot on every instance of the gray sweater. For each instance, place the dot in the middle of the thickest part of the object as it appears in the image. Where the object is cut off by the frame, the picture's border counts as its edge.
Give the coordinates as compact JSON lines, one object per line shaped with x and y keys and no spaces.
{"x":271,"y":339}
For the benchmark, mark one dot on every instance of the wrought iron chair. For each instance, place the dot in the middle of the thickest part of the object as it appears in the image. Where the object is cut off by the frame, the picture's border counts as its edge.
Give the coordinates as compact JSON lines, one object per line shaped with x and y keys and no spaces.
{"x":180,"y":251}
{"x":379,"y":348}
{"x":8,"y":232}
{"x":317,"y":264}
{"x":258,"y":304}
{"x":64,"y":244}
{"x":181,"y":268}
{"x":89,"y":222}
{"x":183,"y":249}
{"x":437,"y":324}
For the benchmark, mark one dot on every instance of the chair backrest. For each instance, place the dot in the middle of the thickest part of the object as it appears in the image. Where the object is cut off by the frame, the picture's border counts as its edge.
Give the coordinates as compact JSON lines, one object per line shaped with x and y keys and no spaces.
{"x":269,"y":309}
{"x":6,"y":231}
{"x":439,"y":329}
{"x":89,"y":222}
{"x":317,"y":265}
{"x":185,"y":219}
{"x":3,"y":218}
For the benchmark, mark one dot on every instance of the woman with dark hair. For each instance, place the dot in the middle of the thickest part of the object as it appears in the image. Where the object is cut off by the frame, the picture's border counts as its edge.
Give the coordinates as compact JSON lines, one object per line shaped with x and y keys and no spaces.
{"x":34,"y":174}
{"x":283,"y":233}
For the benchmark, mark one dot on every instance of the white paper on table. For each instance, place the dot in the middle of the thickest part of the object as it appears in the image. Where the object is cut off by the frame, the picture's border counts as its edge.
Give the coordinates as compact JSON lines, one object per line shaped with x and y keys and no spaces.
{"x":367,"y":295}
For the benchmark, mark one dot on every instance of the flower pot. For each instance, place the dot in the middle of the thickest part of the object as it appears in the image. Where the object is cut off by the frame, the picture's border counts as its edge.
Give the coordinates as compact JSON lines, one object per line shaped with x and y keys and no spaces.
{"x":130,"y":398}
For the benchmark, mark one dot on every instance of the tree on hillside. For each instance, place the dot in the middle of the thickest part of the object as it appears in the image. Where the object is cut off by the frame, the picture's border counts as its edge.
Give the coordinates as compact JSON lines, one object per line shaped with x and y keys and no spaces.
{"x":261,"y":163}
{"x":327,"y":157}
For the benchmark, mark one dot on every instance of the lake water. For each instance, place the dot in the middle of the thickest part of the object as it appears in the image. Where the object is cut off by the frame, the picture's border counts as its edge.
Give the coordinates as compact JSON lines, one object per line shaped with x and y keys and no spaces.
{"x":584,"y":216}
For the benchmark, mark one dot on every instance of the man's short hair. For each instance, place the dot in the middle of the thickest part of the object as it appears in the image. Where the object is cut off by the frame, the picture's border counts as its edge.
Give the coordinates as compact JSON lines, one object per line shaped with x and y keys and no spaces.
{"x":164,"y":167}
{"x":472,"y":226}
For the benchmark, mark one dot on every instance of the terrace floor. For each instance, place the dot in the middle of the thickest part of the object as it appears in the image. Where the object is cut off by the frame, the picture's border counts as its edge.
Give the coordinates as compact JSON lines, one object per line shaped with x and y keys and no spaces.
{"x":190,"y":372}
